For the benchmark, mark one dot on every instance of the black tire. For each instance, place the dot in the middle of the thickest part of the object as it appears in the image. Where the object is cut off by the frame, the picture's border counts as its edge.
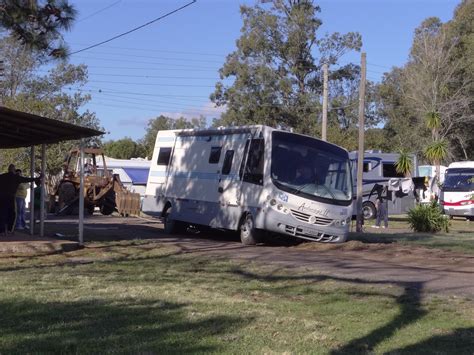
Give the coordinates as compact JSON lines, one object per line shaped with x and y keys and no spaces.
{"x":368,"y":210}
{"x":67,"y":193}
{"x":171,"y":226}
{"x":107,"y":209}
{"x":108,"y":204}
{"x":249,"y":235}
{"x":90,"y":210}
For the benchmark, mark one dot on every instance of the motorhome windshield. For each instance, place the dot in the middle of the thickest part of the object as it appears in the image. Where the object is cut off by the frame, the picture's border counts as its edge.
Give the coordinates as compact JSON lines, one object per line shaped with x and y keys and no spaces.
{"x":311,"y":168}
{"x":461,"y":179}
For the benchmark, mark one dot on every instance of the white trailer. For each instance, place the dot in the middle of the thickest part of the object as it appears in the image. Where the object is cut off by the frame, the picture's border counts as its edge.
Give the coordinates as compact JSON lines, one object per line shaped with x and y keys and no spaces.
{"x":252,"y":179}
{"x":457,"y":192}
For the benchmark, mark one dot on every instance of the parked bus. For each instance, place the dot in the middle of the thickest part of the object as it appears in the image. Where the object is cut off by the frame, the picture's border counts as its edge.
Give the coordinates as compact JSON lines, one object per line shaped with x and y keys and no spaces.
{"x":252,"y":179}
{"x":457,"y":192}
{"x":379,"y":168}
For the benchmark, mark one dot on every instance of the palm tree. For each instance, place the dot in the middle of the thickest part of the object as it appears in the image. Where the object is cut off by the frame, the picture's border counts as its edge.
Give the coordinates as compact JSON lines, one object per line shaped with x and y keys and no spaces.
{"x":437,"y":152}
{"x":433,"y":122}
{"x":404,"y":164}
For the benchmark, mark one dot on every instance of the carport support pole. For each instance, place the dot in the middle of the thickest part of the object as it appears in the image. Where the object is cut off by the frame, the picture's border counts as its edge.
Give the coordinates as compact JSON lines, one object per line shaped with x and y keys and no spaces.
{"x":32,"y":191}
{"x":43,"y":173}
{"x":81,"y":194}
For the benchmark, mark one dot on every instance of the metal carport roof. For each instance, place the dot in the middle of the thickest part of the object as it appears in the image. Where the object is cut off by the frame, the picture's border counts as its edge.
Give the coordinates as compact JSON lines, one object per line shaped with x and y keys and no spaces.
{"x":21,"y":129}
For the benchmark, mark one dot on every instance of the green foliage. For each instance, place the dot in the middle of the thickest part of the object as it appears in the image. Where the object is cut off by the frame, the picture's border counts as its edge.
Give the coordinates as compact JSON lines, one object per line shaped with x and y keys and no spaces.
{"x":428,"y":218}
{"x":437,"y":151}
{"x":46,"y":95}
{"x":433,"y":120}
{"x":431,"y":95}
{"x":404,"y":164}
{"x":38,"y":24}
{"x":276,"y":77}
{"x":162,"y":123}
{"x":124,"y":148}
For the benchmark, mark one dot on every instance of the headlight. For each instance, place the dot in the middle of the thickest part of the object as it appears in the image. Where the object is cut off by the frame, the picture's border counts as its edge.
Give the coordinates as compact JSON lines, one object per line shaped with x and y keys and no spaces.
{"x":273,"y":202}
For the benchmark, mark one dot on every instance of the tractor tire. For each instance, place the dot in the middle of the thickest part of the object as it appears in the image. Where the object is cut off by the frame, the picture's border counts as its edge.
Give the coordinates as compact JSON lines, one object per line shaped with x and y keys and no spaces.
{"x":67,"y":193}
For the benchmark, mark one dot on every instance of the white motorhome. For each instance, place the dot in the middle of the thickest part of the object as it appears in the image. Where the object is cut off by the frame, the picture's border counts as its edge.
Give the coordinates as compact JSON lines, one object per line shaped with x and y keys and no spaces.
{"x":457,"y":192}
{"x":252,"y":179}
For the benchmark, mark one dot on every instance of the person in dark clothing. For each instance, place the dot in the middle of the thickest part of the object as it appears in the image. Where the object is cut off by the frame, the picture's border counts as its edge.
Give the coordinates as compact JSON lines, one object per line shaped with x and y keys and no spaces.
{"x":381,"y":202}
{"x":9,"y":183}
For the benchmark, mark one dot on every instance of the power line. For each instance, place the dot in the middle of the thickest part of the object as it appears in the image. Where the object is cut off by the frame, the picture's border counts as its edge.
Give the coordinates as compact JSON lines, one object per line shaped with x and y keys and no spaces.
{"x":99,"y":11}
{"x":151,"y":84}
{"x":378,"y":65}
{"x":101,"y":90}
{"x":187,"y":59}
{"x":165,"y":51}
{"x":152,"y":63}
{"x":136,"y":28}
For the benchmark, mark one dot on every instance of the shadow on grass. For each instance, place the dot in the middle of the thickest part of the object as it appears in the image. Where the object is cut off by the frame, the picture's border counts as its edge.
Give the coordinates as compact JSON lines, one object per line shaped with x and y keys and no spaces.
{"x":125,"y":326}
{"x":460,"y":341}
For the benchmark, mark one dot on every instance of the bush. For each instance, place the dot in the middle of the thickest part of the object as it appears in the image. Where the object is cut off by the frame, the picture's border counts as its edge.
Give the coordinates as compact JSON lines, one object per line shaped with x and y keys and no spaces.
{"x":428,"y":218}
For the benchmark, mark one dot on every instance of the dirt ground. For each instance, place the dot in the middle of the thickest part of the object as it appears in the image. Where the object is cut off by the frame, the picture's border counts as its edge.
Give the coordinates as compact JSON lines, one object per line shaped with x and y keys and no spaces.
{"x":430,"y":270}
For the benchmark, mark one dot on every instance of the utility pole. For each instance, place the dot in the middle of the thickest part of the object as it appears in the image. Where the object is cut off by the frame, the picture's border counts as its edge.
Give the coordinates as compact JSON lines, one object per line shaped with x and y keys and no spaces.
{"x":360,"y":155}
{"x":325,"y":103}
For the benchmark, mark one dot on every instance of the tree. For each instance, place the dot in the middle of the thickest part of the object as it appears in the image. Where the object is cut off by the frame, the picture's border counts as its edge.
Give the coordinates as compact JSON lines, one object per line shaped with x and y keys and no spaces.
{"x":38,"y":24}
{"x":404,"y":164}
{"x":45,"y":95}
{"x":276,"y":78}
{"x":162,"y":123}
{"x":124,"y":148}
{"x":430,"y":98}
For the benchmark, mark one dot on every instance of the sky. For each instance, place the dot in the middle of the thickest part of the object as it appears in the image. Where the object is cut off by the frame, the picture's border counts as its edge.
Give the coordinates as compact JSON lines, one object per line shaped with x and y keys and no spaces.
{"x":171,"y":66}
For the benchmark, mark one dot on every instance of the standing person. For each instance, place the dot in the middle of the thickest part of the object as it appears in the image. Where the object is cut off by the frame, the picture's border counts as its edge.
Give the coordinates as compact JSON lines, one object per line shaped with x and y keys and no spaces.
{"x":382,"y":208}
{"x":20,"y":197}
{"x":9,"y":183}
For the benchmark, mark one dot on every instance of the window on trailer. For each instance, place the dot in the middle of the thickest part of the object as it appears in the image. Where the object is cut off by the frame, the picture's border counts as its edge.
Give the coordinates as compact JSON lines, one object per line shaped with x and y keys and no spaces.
{"x":215,"y":155}
{"x":164,"y":156}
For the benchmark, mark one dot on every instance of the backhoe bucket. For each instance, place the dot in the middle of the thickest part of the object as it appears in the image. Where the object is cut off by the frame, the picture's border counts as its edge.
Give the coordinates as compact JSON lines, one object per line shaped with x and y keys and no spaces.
{"x":128,"y":203}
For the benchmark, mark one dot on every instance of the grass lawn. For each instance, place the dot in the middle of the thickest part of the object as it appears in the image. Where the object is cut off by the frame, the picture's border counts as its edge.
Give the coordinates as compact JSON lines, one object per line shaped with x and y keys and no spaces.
{"x":460,"y":237}
{"x":144,"y":297}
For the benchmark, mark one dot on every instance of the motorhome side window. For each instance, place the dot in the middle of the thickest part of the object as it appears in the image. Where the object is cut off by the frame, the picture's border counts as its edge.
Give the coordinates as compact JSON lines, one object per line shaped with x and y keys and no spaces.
{"x":227,"y":166}
{"x":164,"y":156}
{"x":389,"y":170}
{"x":215,"y":155}
{"x":254,"y":168}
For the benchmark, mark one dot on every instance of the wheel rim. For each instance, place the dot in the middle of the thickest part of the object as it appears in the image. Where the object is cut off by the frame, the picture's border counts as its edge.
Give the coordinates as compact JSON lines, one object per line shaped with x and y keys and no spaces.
{"x":247,"y":227}
{"x":367,"y":212}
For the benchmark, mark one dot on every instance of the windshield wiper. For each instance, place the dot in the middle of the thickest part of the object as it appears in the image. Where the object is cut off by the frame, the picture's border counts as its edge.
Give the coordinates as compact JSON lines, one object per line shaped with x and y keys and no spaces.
{"x":327,"y":190}
{"x":298,"y":190}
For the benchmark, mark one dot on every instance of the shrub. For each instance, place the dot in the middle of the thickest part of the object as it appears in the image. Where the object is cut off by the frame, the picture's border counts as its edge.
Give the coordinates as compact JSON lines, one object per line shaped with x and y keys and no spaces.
{"x":428,"y":218}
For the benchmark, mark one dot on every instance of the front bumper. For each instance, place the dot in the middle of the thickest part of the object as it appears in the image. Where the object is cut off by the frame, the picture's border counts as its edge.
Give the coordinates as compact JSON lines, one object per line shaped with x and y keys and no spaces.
{"x":465,"y":211}
{"x":287,"y":224}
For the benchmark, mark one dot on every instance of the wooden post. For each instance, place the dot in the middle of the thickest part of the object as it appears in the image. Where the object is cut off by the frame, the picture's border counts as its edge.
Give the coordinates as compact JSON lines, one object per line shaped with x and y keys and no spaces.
{"x":325,"y":103}
{"x":43,"y":180}
{"x":360,"y":155}
{"x":81,"y":194}
{"x":32,"y":191}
